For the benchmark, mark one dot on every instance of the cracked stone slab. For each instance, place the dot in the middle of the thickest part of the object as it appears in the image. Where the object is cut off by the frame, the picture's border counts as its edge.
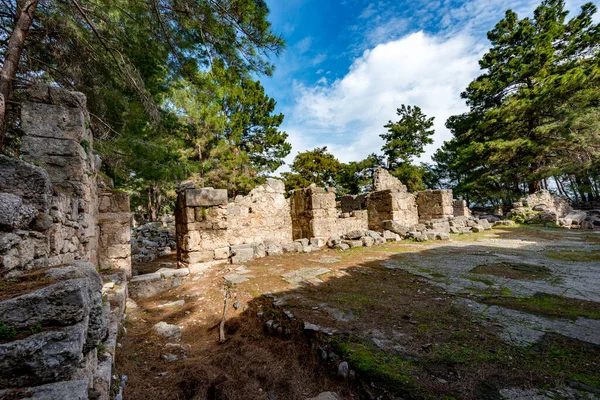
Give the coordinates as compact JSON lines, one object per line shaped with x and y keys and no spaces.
{"x":237,"y":278}
{"x":524,"y":329}
{"x":304,"y":274}
{"x":327,"y":260}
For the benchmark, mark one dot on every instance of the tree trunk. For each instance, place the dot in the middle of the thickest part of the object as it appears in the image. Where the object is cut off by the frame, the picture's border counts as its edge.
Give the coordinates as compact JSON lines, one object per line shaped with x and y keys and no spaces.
{"x":534,"y":186}
{"x":24,"y":19}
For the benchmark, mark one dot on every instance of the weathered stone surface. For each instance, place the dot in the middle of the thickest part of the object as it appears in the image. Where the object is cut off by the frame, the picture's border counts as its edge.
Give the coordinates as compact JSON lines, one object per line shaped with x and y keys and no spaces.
{"x":98,"y":322}
{"x":241,"y":254}
{"x":395,"y":227}
{"x":147,"y":285}
{"x":383,"y":180}
{"x":42,"y":357}
{"x":168,"y":331}
{"x":71,"y":390}
{"x":205,"y":197}
{"x":62,"y":303}
{"x":435,"y":204}
{"x":13,"y":213}
{"x":29,"y":182}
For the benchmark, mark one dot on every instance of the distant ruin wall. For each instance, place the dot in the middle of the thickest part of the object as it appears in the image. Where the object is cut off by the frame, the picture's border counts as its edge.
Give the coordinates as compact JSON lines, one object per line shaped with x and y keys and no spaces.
{"x":207,"y":224}
{"x":114,"y":240}
{"x":435,"y":204}
{"x":314,"y":215}
{"x":391,"y":205}
{"x":383,"y":180}
{"x":460,"y":208}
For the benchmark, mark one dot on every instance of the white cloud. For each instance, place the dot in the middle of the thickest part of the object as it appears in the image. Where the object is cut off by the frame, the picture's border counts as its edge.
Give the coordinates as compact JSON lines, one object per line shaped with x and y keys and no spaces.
{"x":348,"y":114}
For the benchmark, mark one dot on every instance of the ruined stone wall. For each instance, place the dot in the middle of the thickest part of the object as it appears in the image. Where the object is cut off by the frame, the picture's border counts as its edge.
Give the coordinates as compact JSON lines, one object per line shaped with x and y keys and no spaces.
{"x":314,"y":215}
{"x":207,"y":224}
{"x":390,"y":204}
{"x":51,"y":216}
{"x":435,"y":204}
{"x":351,"y":203}
{"x":114,"y":239}
{"x":383,"y":180}
{"x":540,"y":207}
{"x":460,"y":208}
{"x":261,"y":216}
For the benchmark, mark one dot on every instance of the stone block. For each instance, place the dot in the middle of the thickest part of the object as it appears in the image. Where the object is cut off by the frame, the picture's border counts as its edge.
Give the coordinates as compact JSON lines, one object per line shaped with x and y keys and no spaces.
{"x":368,"y":241}
{"x":71,"y":390}
{"x":27,"y":181}
{"x":195,"y":257}
{"x":242,"y":254}
{"x":222,"y":253}
{"x":205,"y":197}
{"x":273,"y":249}
{"x":353,"y":243}
{"x":43,"y":357}
{"x":53,"y":121}
{"x":275,"y":185}
{"x":63,"y":303}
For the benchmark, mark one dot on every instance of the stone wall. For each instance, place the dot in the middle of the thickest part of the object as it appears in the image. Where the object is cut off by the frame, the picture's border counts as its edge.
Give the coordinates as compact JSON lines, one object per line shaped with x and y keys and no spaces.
{"x":55,"y":230}
{"x":208,"y":225}
{"x":391,"y":205}
{"x":383,"y":180}
{"x":114,"y":240}
{"x":460,"y":208}
{"x":314,"y":215}
{"x":435,"y":204}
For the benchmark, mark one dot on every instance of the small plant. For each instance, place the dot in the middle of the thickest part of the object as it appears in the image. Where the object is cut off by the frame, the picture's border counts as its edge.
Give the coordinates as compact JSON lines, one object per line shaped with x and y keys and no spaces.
{"x":86,"y":145}
{"x":35,"y":328}
{"x":6,"y":332}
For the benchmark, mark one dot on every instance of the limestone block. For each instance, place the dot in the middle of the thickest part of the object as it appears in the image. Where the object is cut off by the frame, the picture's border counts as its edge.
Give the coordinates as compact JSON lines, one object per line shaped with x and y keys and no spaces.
{"x":383,"y":180}
{"x":275,"y":185}
{"x":113,"y":202}
{"x":42,"y":357}
{"x":293,"y":247}
{"x":395,"y":227}
{"x":27,"y":181}
{"x":368,"y":241}
{"x":98,"y":322}
{"x":72,"y":390}
{"x":259,"y":249}
{"x":205,"y":197}
{"x":222,"y":253}
{"x":62,"y":303}
{"x":147,"y":285}
{"x":273,"y":249}
{"x":195,"y":257}
{"x":13,"y":213}
{"x":353,"y":243}
{"x":241,"y":254}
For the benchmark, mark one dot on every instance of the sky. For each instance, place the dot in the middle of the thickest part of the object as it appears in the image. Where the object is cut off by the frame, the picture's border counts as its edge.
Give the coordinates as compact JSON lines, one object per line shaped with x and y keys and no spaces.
{"x":349,"y":64}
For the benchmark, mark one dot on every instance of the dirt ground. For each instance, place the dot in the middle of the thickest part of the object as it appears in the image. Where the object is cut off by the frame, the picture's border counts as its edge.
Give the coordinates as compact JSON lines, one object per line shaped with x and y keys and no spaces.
{"x":511,"y":313}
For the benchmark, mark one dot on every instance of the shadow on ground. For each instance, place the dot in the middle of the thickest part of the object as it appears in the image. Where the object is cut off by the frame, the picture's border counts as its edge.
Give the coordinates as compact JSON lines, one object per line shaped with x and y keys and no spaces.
{"x":403,"y":335}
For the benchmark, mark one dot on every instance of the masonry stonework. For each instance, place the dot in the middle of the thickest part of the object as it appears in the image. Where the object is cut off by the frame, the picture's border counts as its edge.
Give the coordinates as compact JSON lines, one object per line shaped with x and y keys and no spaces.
{"x":58,"y":229}
{"x":435,"y":204}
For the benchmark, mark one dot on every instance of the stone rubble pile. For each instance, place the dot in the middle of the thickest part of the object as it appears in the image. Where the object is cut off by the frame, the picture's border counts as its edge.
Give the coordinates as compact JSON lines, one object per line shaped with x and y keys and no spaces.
{"x":153,"y":239}
{"x":545,"y":207}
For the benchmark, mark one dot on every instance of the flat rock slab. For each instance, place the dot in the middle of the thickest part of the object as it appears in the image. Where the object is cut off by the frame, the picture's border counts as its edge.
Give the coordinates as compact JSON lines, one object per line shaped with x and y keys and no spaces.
{"x":524,"y":329}
{"x":304,"y":274}
{"x":327,"y":260}
{"x":237,"y":278}
{"x":72,"y":390}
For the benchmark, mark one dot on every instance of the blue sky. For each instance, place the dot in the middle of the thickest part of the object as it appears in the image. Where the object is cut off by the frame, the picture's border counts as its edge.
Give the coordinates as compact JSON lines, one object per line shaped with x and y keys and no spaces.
{"x":350,"y":63}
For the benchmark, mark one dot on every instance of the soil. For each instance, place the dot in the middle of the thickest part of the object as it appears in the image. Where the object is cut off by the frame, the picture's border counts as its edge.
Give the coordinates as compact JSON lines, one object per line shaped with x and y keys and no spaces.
{"x":392,"y":312}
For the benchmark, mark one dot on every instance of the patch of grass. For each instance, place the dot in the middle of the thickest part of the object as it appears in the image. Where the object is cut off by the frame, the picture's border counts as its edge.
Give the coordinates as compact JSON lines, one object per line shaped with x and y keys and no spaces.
{"x":550,"y":305}
{"x":378,"y":366}
{"x":513,"y":270}
{"x":35,"y":328}
{"x":575,"y":256}
{"x":6,"y":332}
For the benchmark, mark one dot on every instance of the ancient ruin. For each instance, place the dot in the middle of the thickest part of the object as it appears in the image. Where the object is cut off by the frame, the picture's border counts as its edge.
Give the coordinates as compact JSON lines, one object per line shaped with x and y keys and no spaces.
{"x":61,"y":224}
{"x":67,"y":246}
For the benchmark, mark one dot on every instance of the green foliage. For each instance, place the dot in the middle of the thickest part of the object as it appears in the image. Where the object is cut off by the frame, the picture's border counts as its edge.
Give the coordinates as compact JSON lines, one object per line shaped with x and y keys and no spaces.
{"x":356,"y":176}
{"x":406,"y":138}
{"x":533,"y":111}
{"x":316,"y":166}
{"x":134,"y":59}
{"x":35,"y":328}
{"x":6,"y":332}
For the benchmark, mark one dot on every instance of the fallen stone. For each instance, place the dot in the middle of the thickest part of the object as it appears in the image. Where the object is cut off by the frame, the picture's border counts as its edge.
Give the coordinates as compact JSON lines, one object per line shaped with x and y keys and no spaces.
{"x":355,"y":234}
{"x":343,"y":370}
{"x":178,"y":303}
{"x":241,"y":254}
{"x":304,"y":274}
{"x":341,"y":246}
{"x":167,"y":330}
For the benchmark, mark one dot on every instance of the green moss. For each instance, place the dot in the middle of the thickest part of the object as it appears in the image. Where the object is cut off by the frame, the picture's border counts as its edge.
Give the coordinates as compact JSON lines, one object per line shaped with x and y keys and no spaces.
{"x":575,"y":256}
{"x":485,"y":281}
{"x":513,"y":270}
{"x":378,"y":366}
{"x":550,"y":305}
